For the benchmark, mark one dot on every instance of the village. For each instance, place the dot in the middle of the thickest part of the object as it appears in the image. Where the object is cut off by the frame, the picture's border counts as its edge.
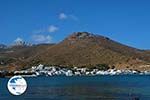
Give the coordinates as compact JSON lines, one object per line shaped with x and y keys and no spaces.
{"x":42,"y":70}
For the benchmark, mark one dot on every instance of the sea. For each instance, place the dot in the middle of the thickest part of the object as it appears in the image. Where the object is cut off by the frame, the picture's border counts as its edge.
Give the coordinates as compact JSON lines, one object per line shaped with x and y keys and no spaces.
{"x":107,"y":87}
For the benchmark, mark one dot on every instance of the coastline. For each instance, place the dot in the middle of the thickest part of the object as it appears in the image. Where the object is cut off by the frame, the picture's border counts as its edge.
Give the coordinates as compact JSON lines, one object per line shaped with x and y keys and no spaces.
{"x":42,"y":70}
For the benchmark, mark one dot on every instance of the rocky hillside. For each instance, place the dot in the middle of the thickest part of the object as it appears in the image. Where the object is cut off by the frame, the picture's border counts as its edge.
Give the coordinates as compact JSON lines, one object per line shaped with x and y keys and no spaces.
{"x":86,"y":49}
{"x":79,"y":49}
{"x":15,"y":56}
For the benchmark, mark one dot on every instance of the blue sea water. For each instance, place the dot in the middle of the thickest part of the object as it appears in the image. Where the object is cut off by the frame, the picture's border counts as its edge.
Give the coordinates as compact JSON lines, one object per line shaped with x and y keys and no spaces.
{"x":119,"y":87}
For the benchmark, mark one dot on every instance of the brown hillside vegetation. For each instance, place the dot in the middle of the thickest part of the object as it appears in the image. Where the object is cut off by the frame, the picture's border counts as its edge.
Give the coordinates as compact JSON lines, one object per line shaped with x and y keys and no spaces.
{"x":80,"y":49}
{"x":85,"y":49}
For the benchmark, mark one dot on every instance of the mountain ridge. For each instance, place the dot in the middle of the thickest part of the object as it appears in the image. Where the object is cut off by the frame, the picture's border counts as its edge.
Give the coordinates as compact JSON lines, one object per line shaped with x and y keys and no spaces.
{"x":84,"y":49}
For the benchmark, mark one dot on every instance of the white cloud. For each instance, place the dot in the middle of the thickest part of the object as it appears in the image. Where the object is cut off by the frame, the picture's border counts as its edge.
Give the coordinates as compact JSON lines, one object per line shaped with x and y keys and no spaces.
{"x":39,"y":38}
{"x":63,"y":16}
{"x":18,"y":39}
{"x":52,"y":28}
{"x":49,"y":29}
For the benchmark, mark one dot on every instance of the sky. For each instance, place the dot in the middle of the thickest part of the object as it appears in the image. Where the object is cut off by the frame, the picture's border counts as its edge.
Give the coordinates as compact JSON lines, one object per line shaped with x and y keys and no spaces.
{"x":50,"y":21}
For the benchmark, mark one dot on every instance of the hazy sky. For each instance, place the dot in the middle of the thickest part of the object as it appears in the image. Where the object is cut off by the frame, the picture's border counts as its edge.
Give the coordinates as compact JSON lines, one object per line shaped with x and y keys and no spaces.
{"x":37,"y":21}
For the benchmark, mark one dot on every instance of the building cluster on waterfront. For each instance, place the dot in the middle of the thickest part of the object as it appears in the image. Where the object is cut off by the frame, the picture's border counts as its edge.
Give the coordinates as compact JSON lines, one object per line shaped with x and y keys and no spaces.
{"x":42,"y":70}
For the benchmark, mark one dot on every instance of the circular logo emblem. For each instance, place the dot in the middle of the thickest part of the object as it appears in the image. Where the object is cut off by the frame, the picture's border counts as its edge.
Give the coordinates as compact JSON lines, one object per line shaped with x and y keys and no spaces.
{"x":17,"y":85}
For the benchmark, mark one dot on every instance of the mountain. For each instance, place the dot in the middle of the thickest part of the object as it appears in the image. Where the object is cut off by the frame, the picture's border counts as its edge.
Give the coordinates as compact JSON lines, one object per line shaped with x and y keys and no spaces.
{"x":81,"y":49}
{"x":86,"y":49}
{"x":10,"y":57}
{"x":2,"y":46}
